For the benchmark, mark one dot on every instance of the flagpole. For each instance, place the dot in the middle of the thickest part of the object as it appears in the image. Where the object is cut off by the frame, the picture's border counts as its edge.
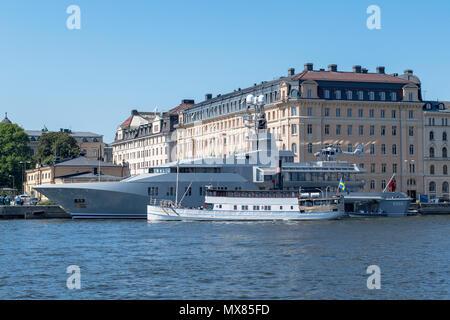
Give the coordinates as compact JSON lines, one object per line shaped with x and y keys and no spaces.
{"x":387,"y":185}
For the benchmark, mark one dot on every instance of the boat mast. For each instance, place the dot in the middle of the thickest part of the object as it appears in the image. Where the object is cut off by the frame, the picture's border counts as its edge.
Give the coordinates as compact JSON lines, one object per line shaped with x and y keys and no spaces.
{"x":176,"y":186}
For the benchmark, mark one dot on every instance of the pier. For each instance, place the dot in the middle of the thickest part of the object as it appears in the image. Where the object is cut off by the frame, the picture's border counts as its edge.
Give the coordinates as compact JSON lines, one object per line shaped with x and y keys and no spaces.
{"x":33,"y":212}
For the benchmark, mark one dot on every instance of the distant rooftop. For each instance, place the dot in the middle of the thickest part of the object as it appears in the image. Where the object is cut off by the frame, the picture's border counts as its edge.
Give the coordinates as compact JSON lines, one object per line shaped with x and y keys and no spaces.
{"x":84,"y":162}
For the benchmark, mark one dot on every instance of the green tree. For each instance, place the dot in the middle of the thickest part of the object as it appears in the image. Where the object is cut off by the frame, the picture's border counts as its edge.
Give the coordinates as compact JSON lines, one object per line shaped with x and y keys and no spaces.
{"x":13,"y":149}
{"x":59,"y":144}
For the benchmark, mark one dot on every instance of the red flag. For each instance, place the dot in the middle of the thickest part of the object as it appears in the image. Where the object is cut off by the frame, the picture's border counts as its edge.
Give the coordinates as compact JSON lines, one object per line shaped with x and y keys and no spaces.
{"x":392,"y":185}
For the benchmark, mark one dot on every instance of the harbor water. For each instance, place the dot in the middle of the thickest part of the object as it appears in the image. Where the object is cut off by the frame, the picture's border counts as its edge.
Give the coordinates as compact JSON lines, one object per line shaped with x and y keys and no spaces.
{"x":133,"y":259}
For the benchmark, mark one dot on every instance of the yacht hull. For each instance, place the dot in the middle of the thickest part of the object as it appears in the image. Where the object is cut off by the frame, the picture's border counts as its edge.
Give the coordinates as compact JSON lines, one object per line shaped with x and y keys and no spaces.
{"x":157,"y":213}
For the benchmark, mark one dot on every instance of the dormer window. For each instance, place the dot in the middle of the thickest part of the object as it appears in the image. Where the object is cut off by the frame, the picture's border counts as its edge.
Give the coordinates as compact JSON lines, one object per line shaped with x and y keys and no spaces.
{"x":327,"y":94}
{"x":372,"y":95}
{"x":338,"y":94}
{"x":394,"y":96}
{"x":349,"y":95}
{"x":383,"y":96}
{"x":428,"y":106}
{"x":360,"y":95}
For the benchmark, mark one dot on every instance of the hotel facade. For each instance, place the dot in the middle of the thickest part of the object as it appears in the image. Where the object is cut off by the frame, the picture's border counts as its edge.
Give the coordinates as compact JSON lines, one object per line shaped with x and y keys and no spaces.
{"x":313,"y":109}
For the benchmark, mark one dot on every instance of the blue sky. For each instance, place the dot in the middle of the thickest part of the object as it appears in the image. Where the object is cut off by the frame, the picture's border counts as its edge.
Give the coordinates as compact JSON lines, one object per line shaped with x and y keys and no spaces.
{"x":142,"y":54}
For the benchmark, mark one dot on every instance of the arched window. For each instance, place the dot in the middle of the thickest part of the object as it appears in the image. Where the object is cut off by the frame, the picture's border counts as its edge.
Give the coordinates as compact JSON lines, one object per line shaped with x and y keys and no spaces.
{"x":445,"y":169}
{"x":431,"y":152}
{"x":444,"y":152}
{"x":444,"y":136}
{"x":445,"y":187}
{"x":432,"y":169}
{"x":431,"y":135}
{"x":432,"y":187}
{"x":294,"y":148}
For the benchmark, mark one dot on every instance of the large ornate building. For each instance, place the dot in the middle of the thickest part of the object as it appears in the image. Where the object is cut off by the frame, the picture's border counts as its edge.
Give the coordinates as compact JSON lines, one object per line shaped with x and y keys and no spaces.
{"x":436,"y":149}
{"x":147,"y":139}
{"x":309,"y":110}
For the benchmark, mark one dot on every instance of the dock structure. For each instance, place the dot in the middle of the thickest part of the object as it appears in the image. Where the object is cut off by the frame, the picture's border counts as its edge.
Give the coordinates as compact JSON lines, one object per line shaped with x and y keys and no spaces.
{"x":33,"y":212}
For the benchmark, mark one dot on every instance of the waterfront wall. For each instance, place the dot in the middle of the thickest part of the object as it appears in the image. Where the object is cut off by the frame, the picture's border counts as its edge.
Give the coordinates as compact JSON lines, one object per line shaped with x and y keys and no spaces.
{"x":33,"y":212}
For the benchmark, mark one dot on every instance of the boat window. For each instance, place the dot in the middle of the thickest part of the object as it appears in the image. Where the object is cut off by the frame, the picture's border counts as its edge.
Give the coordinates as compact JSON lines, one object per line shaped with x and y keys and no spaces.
{"x":281,"y":207}
{"x":244,"y":207}
{"x":235,"y":207}
{"x":255,"y":207}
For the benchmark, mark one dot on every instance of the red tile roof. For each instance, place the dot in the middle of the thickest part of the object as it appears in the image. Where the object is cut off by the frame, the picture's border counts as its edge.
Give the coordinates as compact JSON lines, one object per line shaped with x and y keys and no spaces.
{"x":180,"y":108}
{"x":349,"y":77}
{"x":127,"y":122}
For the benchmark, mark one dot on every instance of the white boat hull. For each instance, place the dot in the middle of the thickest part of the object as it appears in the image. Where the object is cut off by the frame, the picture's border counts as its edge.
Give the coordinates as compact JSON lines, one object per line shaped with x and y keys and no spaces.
{"x":156,"y":213}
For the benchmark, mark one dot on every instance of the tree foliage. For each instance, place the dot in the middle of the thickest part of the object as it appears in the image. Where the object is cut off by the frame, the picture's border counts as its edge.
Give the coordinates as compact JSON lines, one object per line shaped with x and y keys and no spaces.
{"x":13,"y":149}
{"x":59,"y":144}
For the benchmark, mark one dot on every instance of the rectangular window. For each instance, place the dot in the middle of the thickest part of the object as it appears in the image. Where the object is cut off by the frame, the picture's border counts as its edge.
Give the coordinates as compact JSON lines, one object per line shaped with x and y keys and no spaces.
{"x":383,"y":168}
{"x":327,"y":112}
{"x":372,"y":149}
{"x":371,"y":113}
{"x":350,"y":147}
{"x":372,"y":130}
{"x":309,"y":128}
{"x":383,"y":149}
{"x":294,"y":111}
{"x":394,"y":168}
{"x":393,"y":114}
{"x":360,"y":95}
{"x":294,"y":128}
{"x":411,"y":114}
{"x":394,"y":131}
{"x":382,"y":96}
{"x":309,"y":111}
{"x":338,"y":130}
{"x":383,"y":130}
{"x":327,"y":129}
{"x":411,"y":131}
{"x":372,"y":167}
{"x":327,"y":94}
{"x":371,"y":95}
{"x":349,"y":130}
{"x":361,"y":130}
{"x":349,"y":113}
{"x":338,"y":112}
{"x":382,"y":113}
{"x":360,"y":113}
{"x":394,"y":96}
{"x":338,"y":94}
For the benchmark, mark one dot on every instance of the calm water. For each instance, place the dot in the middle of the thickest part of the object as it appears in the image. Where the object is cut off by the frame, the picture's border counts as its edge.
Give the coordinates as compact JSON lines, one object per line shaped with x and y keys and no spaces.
{"x":305,"y":260}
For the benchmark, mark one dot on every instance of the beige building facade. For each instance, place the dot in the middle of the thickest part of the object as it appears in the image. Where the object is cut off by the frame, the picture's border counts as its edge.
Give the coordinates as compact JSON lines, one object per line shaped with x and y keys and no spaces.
{"x":316,"y":108}
{"x":78,"y":170}
{"x":91,"y":144}
{"x":436,"y":149}
{"x":147,"y":139}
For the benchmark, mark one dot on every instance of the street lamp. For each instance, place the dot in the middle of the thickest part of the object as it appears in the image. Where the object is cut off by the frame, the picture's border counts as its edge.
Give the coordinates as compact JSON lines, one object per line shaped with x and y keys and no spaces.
{"x":13,"y":185}
{"x":24,"y":163}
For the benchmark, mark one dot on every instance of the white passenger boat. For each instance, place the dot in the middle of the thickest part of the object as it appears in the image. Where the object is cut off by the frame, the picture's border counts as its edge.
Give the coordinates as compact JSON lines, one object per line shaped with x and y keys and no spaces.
{"x":223,"y":205}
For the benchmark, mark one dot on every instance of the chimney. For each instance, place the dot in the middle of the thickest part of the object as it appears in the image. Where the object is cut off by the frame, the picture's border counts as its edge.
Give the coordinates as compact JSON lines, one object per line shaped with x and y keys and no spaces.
{"x":357,"y":69}
{"x":380,"y":70}
{"x":364,"y":70}
{"x":187,"y":101}
{"x":208,"y":96}
{"x":134,"y":112}
{"x":409,"y":71}
{"x":332,"y":67}
{"x":291,"y":71}
{"x":309,"y":66}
